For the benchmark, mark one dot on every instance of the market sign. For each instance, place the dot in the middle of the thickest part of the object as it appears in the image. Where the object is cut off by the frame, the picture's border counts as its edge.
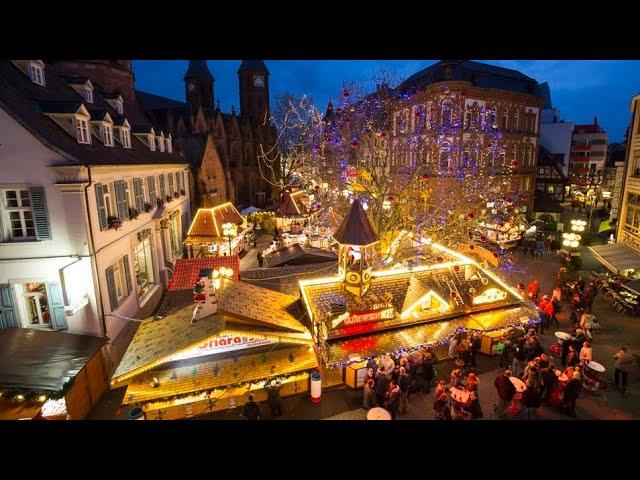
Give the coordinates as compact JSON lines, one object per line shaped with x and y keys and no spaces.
{"x":220,"y":344}
{"x":356,"y":318}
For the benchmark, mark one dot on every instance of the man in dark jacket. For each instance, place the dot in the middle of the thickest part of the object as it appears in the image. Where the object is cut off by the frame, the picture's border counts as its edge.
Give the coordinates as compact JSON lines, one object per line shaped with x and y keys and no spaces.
{"x":404,"y":381}
{"x":506,"y":391}
{"x":571,"y":394}
{"x":475,"y":348}
{"x":382,"y":383}
{"x":427,"y":371}
{"x":251,"y":410}
{"x":273,"y":398}
{"x":531,"y":400}
{"x":549,"y":380}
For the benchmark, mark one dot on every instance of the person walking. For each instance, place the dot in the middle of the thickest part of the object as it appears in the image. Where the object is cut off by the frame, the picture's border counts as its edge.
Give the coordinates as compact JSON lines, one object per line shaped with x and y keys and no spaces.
{"x":622,"y":366}
{"x":586,"y":353}
{"x":472,"y":387}
{"x":474,"y":349}
{"x":572,"y":357}
{"x":382,"y":384}
{"x":534,"y":290}
{"x":274,"y":400}
{"x":506,"y":391}
{"x":369,"y":400}
{"x":549,"y":380}
{"x":404,"y":381}
{"x":251,"y":410}
{"x":427,"y":371}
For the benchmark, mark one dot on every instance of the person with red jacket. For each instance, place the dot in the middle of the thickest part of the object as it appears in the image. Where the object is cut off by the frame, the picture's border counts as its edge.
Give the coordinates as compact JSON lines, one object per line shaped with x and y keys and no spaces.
{"x":534,"y":289}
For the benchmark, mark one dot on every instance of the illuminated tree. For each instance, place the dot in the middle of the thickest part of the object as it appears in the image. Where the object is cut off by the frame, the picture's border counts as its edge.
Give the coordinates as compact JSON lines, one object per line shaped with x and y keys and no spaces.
{"x":298,"y":124}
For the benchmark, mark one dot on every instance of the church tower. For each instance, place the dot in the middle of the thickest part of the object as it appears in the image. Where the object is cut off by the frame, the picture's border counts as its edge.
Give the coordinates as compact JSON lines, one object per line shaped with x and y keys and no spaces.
{"x":357,"y":252}
{"x":198,"y":83}
{"x":254,"y":90}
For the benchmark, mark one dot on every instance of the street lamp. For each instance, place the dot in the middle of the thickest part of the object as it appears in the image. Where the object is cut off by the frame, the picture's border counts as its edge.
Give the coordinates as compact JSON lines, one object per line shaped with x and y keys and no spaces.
{"x":593,"y":200}
{"x":229,"y":230}
{"x":578,"y":225}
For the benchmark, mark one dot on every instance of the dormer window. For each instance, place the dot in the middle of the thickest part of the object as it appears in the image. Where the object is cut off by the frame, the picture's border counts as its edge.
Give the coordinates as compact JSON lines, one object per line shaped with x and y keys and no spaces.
{"x":107,"y":134}
{"x":125,"y":137}
{"x":119,"y":105}
{"x":87,"y":92}
{"x":161,"y":144}
{"x":36,"y":72}
{"x":152,"y":142}
{"x":82,"y":130}
{"x":168,"y":145}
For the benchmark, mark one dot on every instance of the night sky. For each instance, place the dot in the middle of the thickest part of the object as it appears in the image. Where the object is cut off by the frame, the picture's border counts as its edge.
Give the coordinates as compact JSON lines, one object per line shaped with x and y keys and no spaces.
{"x":581,"y":89}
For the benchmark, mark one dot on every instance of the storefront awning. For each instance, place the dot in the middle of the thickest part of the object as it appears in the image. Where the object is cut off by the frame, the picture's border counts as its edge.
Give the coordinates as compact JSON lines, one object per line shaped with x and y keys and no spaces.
{"x":616,"y":257}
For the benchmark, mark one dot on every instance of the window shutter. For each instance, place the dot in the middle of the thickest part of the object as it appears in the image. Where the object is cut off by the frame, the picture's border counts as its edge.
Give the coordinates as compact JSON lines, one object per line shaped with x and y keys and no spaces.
{"x":121,"y":200}
{"x":151,"y":184}
{"x":171,"y":189}
{"x":138,"y":194}
{"x":40,"y":213}
{"x":111,"y":287}
{"x":102,"y":209}
{"x":127,"y":275}
{"x":56,"y":306}
{"x":163,"y":192}
{"x":7,"y":310}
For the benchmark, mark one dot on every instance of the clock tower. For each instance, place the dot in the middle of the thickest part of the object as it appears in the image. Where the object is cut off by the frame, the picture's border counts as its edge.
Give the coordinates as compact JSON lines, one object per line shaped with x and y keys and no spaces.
{"x":254,"y":90}
{"x":198,"y":83}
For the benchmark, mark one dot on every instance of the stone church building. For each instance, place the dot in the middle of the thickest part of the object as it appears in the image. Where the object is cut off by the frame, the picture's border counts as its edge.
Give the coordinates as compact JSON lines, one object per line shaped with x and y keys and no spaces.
{"x":222,"y":148}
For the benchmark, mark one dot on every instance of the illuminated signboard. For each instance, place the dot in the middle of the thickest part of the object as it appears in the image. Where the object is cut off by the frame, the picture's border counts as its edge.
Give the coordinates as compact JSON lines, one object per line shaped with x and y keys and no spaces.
{"x":489,"y":296}
{"x":357,"y":318}
{"x":224,"y":343}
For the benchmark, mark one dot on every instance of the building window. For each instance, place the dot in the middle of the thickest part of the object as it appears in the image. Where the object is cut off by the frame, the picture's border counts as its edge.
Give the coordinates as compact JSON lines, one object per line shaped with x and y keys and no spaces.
{"x":161,"y":182}
{"x":168,"y":145}
{"x":446,"y":114}
{"x":176,"y":237}
{"x":82,"y":130}
{"x":143,"y":264}
{"x":120,"y":279}
{"x":19,"y":215}
{"x":505,"y":119}
{"x":106,"y":194}
{"x":107,"y":134}
{"x":160,"y":144}
{"x":151,"y":189}
{"x":87,"y":93}
{"x":516,"y":120}
{"x":36,"y":303}
{"x":120,"y":106}
{"x":632,"y":219}
{"x":444,"y":158}
{"x":152,"y":143}
{"x":125,"y":137}
{"x":36,"y":73}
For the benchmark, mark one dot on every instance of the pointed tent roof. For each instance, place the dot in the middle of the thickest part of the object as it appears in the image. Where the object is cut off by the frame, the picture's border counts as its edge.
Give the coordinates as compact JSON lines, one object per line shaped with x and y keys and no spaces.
{"x":415,"y":292}
{"x":355,"y":228}
{"x":254,"y":66}
{"x":293,"y":204}
{"x":198,"y":69}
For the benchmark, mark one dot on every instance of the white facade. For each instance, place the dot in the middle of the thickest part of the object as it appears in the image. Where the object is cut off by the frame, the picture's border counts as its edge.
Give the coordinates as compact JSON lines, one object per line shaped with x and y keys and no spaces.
{"x":556,"y":135}
{"x":629,"y":220}
{"x":69,"y":271}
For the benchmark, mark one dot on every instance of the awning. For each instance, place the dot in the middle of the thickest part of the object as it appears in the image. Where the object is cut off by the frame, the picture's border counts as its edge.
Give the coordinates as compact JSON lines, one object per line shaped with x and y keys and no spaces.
{"x":616,"y":257}
{"x":633,"y":286}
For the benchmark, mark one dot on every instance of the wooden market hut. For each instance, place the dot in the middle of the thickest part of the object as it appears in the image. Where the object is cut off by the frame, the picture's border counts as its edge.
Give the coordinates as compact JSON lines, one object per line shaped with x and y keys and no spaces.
{"x":206,"y":233}
{"x":293,"y":212}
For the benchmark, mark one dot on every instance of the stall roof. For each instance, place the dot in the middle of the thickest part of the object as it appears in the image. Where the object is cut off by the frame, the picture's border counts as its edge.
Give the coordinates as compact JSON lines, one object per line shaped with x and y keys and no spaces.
{"x":293,"y":204}
{"x":633,"y":286}
{"x":208,"y":221}
{"x":355,"y":229}
{"x":295,"y":255}
{"x":187,"y":270}
{"x":41,"y":359}
{"x":247,"y":366}
{"x":616,"y":256}
{"x":412,"y":337}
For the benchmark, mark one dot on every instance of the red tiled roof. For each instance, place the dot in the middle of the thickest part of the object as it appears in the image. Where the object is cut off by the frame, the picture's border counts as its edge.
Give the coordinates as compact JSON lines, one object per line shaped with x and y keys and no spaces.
{"x":186,"y":272}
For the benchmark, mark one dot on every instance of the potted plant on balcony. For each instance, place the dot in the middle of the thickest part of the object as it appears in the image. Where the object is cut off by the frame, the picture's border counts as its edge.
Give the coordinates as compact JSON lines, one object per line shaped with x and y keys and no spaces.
{"x":133,"y":213}
{"x":147,"y":207}
{"x":114,"y":222}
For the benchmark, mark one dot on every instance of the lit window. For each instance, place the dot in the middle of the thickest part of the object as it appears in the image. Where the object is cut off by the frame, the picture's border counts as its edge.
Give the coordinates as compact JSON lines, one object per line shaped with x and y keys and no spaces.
{"x":143,"y":265}
{"x":176,"y":234}
{"x":107,"y":134}
{"x":36,"y":302}
{"x":125,"y":137}
{"x":87,"y":93}
{"x":36,"y":72}
{"x":152,"y":142}
{"x":18,"y":215}
{"x":120,"y":279}
{"x":82,"y":130}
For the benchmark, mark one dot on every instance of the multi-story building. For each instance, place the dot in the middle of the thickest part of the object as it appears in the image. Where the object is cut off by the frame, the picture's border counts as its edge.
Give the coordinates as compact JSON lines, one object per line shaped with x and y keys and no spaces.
{"x":94,"y":201}
{"x":588,"y":156}
{"x":613,"y":180}
{"x":555,"y":133}
{"x":623,"y":257}
{"x":222,"y":148}
{"x":462,"y":109}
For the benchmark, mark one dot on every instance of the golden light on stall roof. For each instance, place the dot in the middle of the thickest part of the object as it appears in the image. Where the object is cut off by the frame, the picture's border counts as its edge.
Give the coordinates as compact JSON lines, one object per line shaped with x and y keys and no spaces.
{"x":42,"y":398}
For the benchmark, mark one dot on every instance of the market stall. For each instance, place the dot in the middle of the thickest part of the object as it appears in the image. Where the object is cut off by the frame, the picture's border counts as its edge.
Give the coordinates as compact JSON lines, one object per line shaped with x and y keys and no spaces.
{"x":218,"y":231}
{"x":294,"y":213}
{"x":322,"y":228}
{"x":503,"y":231}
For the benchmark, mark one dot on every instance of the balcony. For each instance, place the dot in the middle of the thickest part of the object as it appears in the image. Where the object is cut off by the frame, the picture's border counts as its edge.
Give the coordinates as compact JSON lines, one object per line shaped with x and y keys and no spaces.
{"x":581,"y":148}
